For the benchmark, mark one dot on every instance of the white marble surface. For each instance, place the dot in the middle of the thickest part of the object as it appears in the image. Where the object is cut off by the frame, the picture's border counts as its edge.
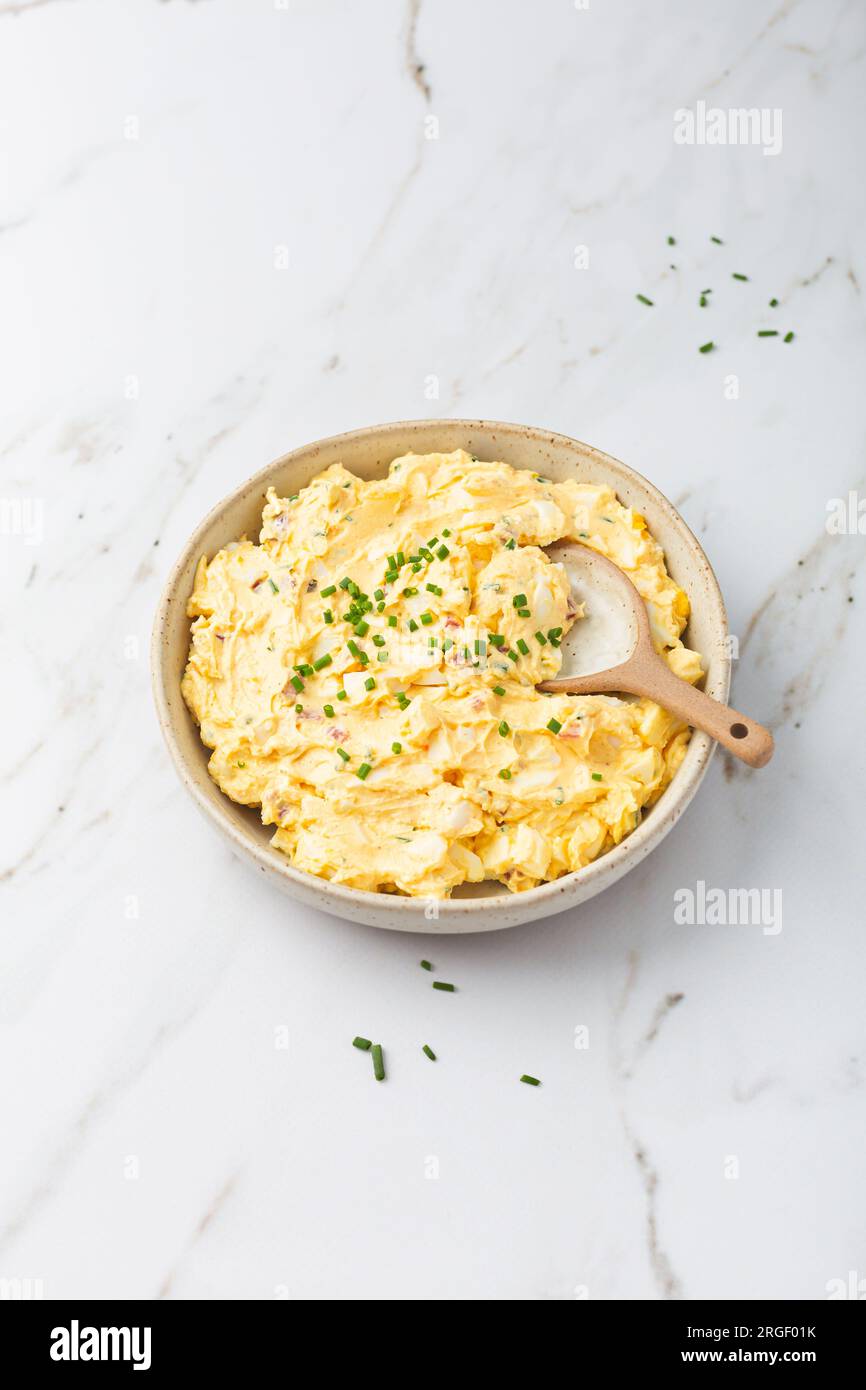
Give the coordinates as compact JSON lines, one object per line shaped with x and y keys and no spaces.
{"x":157,"y":1141}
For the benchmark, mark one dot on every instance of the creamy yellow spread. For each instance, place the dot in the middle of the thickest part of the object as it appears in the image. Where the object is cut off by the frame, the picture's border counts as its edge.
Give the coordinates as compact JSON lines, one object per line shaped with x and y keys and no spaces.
{"x":366,"y":675}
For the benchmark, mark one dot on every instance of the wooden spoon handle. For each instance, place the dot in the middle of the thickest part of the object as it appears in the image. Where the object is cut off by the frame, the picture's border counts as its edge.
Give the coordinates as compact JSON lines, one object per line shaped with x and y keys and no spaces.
{"x":649,"y":675}
{"x":742,"y":736}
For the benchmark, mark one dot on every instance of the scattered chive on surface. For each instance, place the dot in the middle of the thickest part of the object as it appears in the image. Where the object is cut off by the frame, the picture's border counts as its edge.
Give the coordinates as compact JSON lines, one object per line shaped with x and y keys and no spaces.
{"x":329,"y":710}
{"x":426,"y":965}
{"x":378,"y":1062}
{"x":768,"y":332}
{"x":530,"y":1080}
{"x":273,"y":586}
{"x":341,"y":753}
{"x":788,"y":338}
{"x":440,"y":984}
{"x":499,"y":690}
{"x":363,"y":1043}
{"x":428,"y":1052}
{"x":597,"y":777}
{"x":331,"y":589}
{"x":774,"y":303}
{"x":396,"y":748}
{"x":554,"y":726}
{"x":737,"y":276}
{"x":643,"y":299}
{"x":363,"y":771}
{"x":717,"y":240}
{"x":504,"y":729}
{"x":505,"y":774}
{"x":707,"y":347}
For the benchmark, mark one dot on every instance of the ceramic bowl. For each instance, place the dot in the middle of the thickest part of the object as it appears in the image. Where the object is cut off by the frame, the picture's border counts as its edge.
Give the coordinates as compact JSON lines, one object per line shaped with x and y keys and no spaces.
{"x":367,"y":453}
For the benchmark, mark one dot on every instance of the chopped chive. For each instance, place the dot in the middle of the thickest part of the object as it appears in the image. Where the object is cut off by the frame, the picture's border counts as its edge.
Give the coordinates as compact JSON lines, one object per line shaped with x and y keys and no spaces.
{"x":703,"y":301}
{"x":378,"y":1062}
{"x":509,"y":545}
{"x":443,"y":552}
{"x":512,"y":656}
{"x":426,"y":965}
{"x":361,"y":629}
{"x":401,"y":559}
{"x":427,"y":618}
{"x":428,"y":1052}
{"x":643,"y":299}
{"x":396,"y":748}
{"x":499,"y":690}
{"x":541,"y":639}
{"x":322,"y":662}
{"x":440,"y":984}
{"x":369,"y":683}
{"x":329,"y":710}
{"x":363,"y":1043}
{"x":774,"y":303}
{"x":378,"y":640}
{"x":768,"y":333}
{"x":522,"y":647}
{"x":717,"y":240}
{"x":597,"y":777}
{"x":392,"y":621}
{"x":343,"y":754}
{"x":707,"y":347}
{"x":737,"y":276}
{"x":409,"y":593}
{"x":345,"y":582}
{"x":519,"y":600}
{"x":505,"y":774}
{"x":379,"y":593}
{"x":434,"y":589}
{"x":240,"y":764}
{"x":496,"y":639}
{"x":273,"y":586}
{"x":523,"y":613}
{"x":446,"y":532}
{"x":504,"y":729}
{"x":788,"y":338}
{"x":297,"y":683}
{"x":328,"y":615}
{"x":299,"y":709}
{"x":530,"y":1080}
{"x":342,"y":695}
{"x":672,"y":241}
{"x":363,"y":771}
{"x":554,"y":726}
{"x":413,"y":626}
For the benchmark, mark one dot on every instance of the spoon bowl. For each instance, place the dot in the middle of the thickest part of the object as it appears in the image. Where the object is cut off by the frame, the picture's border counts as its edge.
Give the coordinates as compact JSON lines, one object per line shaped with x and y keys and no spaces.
{"x":611,"y":650}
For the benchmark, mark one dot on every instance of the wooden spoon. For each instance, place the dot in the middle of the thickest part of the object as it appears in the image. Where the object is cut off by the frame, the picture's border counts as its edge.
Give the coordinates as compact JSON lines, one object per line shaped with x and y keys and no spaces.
{"x":611,"y":649}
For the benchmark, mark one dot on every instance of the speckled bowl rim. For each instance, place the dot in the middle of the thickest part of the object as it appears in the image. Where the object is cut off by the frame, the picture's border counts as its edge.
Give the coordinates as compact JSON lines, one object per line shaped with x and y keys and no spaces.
{"x":452,"y":914}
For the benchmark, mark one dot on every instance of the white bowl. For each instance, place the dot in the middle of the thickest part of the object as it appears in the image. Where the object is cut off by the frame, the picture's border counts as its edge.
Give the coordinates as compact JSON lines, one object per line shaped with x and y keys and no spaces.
{"x":367,"y":453}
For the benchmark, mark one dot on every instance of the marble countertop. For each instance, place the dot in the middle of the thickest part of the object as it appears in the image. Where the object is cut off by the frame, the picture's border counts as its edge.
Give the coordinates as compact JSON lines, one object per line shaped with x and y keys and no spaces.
{"x":230,"y":228}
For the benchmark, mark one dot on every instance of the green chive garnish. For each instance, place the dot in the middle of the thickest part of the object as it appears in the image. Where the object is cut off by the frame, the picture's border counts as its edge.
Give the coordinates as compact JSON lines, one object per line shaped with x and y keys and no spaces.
{"x":428,"y":1052}
{"x":434,"y":589}
{"x":703,"y":301}
{"x":707,"y":347}
{"x":378,"y":1062}
{"x":541,"y":639}
{"x":342,"y":695}
{"x":341,"y":752}
{"x":499,"y":690}
{"x":643,"y":299}
{"x":443,"y":552}
{"x":273,"y":586}
{"x":504,"y":729}
{"x":426,"y":965}
{"x":440,"y":984}
{"x":519,"y":600}
{"x":496,"y":639}
{"x":774,"y":303}
{"x":363,"y":771}
{"x":361,"y":629}
{"x":717,"y":240}
{"x":322,"y":662}
{"x":505,"y":774}
{"x":672,"y":241}
{"x":331,"y":589}
{"x":554,"y":726}
{"x":768,"y":333}
{"x":530,"y":1080}
{"x":522,"y":647}
{"x":392,"y":621}
{"x":328,"y":615}
{"x":597,"y":777}
{"x":737,"y":276}
{"x":363,"y":1043}
{"x":297,"y":683}
{"x":329,"y":710}
{"x":788,"y":338}
{"x":369,"y":683}
{"x":427,"y":618}
{"x":396,"y":748}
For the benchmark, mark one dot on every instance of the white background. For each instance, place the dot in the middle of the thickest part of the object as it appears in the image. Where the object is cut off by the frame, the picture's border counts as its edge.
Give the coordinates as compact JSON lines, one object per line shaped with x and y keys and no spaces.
{"x":156,"y":158}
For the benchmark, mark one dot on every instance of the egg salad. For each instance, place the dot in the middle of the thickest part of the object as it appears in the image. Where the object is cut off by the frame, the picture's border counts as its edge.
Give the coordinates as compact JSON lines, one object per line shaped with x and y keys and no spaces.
{"x":366,"y":673}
